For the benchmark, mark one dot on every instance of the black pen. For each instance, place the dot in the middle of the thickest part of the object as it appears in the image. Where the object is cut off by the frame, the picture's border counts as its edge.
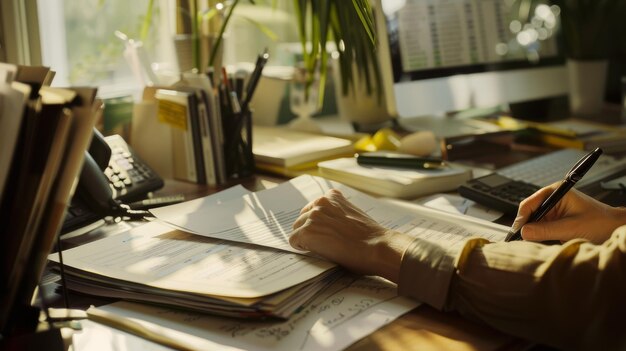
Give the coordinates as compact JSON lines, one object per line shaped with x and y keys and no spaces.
{"x":574,"y":175}
{"x":254,"y":79}
{"x":232,"y":95}
{"x":390,"y":159}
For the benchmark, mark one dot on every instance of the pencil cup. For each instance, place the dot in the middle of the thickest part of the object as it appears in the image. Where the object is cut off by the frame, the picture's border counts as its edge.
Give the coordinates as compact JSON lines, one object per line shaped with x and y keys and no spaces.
{"x":238,"y":144}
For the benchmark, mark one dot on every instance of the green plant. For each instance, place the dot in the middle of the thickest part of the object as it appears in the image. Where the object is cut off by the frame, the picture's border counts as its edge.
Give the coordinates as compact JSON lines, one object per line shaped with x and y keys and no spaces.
{"x":350,"y":24}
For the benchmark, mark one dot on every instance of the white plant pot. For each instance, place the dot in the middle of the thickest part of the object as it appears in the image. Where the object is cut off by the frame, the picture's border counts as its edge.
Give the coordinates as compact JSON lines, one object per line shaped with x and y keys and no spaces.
{"x":357,"y":106}
{"x":587,"y":81}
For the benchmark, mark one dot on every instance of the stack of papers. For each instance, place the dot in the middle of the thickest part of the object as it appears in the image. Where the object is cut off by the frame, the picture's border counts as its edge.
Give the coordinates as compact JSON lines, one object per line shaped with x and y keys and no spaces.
{"x":160,"y":264}
{"x":344,"y":312}
{"x":229,"y":254}
{"x":156,"y":264}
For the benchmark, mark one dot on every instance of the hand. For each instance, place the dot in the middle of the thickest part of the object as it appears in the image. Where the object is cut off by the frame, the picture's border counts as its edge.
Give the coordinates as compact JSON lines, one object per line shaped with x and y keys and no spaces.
{"x":335,"y":229}
{"x":576,"y":215}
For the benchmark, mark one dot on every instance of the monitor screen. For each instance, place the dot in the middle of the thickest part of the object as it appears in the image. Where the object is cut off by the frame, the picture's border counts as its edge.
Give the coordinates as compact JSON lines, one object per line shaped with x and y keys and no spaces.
{"x":441,"y":56}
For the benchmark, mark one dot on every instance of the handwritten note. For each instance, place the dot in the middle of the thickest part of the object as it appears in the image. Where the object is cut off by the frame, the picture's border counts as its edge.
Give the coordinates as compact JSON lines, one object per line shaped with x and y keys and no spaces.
{"x":346,"y":311}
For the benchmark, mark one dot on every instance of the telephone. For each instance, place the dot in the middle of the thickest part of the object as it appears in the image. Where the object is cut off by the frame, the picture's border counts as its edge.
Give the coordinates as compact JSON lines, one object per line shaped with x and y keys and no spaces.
{"x":112,"y":175}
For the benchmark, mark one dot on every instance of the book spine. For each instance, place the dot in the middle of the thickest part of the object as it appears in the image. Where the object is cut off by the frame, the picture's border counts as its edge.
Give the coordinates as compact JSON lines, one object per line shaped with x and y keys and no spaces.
{"x":207,"y":146}
{"x":173,"y":110}
{"x":217,"y":134}
{"x":196,"y":139}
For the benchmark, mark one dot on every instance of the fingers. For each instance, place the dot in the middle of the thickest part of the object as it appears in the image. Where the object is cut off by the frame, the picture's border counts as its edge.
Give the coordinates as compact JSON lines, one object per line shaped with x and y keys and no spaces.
{"x":530,"y":204}
{"x":562,"y":230}
{"x":332,"y":193}
{"x":297,"y":239}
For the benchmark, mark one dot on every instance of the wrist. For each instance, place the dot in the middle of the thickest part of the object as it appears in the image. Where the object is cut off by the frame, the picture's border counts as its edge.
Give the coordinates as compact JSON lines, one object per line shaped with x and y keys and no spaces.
{"x":389,"y":252}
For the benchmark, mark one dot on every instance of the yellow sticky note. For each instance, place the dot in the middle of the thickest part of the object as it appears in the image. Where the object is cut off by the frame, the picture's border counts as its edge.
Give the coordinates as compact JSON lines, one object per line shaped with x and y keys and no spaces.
{"x":172,"y":113}
{"x":386,"y":139}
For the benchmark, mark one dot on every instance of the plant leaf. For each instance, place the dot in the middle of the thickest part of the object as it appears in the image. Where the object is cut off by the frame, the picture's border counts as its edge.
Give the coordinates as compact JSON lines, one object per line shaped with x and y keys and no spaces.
{"x":263,"y":28}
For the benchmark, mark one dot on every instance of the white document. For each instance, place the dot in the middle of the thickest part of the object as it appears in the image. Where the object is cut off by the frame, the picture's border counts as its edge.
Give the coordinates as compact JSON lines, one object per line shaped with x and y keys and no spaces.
{"x":343,"y":313}
{"x":157,"y":256}
{"x":457,"y":204}
{"x":200,"y":204}
{"x":95,"y":336}
{"x":266,"y":217}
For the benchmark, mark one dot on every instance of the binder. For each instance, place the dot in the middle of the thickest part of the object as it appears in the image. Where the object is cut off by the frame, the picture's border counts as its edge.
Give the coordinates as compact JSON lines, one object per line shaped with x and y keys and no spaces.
{"x":43,"y":165}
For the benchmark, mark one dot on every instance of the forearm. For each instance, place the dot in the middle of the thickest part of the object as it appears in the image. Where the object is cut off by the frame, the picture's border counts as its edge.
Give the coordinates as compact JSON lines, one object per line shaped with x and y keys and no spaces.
{"x":559,"y":295}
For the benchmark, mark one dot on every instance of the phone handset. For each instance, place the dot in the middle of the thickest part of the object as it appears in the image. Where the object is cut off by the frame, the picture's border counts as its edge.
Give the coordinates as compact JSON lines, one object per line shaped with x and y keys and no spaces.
{"x":94,"y":188}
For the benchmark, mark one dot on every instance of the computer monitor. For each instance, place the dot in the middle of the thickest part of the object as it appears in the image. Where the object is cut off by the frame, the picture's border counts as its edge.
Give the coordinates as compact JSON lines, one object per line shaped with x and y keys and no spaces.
{"x":442,"y":56}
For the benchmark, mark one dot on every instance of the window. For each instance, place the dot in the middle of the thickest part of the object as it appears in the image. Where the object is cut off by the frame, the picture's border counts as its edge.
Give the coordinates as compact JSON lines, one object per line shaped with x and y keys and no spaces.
{"x":78,"y":38}
{"x":79,"y":41}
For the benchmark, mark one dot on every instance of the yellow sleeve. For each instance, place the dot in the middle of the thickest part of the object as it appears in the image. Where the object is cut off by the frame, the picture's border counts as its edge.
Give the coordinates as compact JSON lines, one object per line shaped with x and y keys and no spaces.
{"x":572,"y":296}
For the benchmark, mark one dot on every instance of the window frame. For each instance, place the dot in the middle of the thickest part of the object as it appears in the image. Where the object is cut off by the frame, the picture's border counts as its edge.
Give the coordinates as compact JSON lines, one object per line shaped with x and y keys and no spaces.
{"x":20,"y":32}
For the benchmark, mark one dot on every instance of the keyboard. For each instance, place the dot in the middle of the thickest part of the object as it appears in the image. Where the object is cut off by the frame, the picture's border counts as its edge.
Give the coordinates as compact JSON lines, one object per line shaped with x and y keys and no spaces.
{"x":547,"y":169}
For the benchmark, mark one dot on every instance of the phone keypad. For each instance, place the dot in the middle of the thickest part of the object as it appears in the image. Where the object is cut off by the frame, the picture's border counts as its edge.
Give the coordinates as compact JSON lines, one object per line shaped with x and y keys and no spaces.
{"x":127,"y":177}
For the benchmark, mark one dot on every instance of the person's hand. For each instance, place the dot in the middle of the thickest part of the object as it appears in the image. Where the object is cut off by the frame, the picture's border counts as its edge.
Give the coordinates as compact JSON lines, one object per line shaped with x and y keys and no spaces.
{"x":576,"y":215}
{"x":335,"y":229}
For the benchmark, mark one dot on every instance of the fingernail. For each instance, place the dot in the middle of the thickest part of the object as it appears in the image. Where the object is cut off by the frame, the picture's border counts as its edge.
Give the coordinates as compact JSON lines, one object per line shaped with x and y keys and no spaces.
{"x":515,"y":227}
{"x":517,"y":223}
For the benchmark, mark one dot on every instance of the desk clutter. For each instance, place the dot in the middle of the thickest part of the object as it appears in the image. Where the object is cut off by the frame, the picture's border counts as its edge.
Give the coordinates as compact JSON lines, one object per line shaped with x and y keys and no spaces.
{"x":573,"y":133}
{"x":228,"y":254}
{"x":203,"y":124}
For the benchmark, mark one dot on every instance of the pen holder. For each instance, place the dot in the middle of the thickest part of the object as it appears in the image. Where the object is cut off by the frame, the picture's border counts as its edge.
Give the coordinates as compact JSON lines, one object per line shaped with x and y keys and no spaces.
{"x":238,"y":155}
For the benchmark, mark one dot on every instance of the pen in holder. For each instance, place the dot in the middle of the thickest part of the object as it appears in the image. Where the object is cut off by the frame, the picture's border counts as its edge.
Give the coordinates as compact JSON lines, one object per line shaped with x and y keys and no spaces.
{"x":237,"y":124}
{"x":237,"y":121}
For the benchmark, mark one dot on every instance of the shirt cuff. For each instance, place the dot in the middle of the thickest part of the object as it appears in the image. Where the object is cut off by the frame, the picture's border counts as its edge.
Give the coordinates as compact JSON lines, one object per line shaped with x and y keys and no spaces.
{"x":426,"y":272}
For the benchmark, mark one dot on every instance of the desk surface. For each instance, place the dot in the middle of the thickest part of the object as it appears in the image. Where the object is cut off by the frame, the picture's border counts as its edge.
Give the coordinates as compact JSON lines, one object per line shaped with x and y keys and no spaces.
{"x":424,"y":328}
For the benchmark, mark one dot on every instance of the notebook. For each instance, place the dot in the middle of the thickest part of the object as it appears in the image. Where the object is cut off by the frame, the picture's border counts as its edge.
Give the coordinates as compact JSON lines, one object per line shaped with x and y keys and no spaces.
{"x":287,"y":148}
{"x":393,"y":182}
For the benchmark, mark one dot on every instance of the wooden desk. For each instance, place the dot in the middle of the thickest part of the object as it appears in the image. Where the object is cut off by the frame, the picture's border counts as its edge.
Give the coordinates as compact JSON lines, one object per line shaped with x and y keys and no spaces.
{"x":424,"y":328}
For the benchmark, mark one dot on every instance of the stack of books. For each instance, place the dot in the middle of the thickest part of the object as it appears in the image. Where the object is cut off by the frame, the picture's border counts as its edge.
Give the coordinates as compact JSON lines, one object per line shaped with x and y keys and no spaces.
{"x":190,"y":112}
{"x":204,"y":136}
{"x":288,"y":152}
{"x":44,"y":134}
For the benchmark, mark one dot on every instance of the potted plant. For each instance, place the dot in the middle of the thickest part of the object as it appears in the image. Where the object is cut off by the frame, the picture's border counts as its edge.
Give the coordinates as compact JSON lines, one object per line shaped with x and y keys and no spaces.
{"x":586,"y":30}
{"x":349,"y":24}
